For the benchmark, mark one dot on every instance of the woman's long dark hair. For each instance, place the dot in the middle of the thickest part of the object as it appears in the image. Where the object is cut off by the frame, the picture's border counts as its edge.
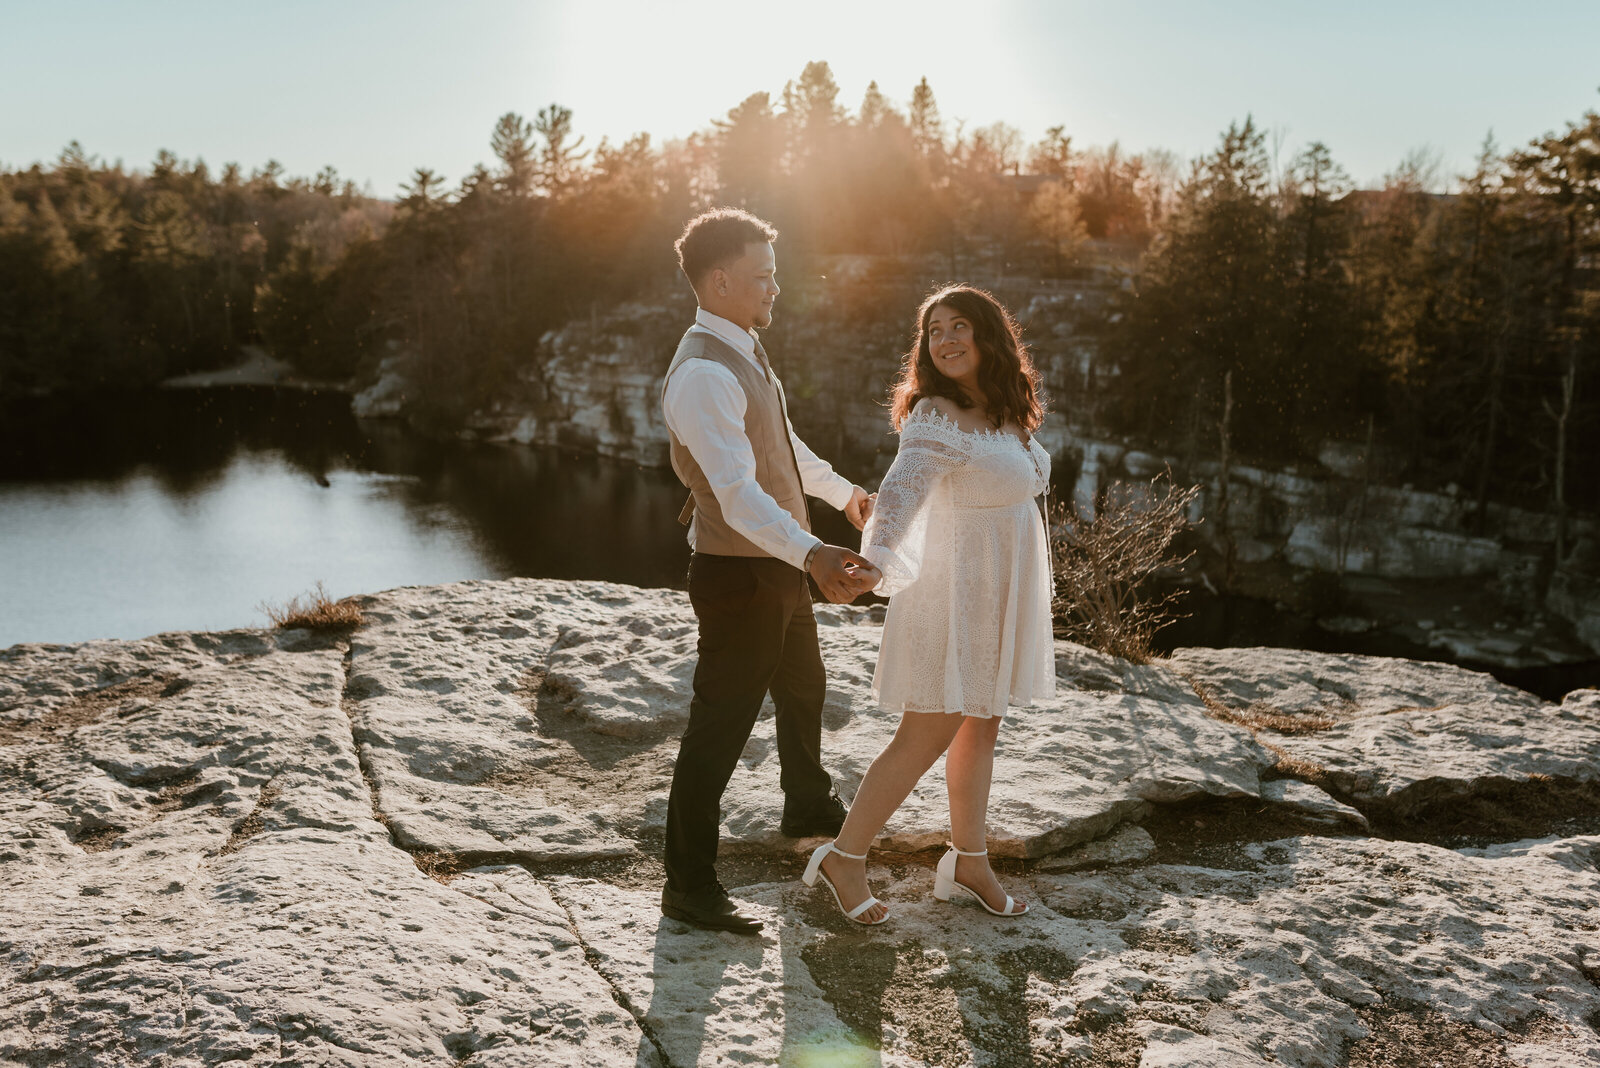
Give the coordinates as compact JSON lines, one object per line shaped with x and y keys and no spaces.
{"x":1006,"y":373}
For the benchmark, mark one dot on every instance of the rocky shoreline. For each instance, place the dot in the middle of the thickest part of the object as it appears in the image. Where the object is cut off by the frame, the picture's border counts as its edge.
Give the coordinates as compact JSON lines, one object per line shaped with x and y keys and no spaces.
{"x":594,"y":387}
{"x":432,"y":839}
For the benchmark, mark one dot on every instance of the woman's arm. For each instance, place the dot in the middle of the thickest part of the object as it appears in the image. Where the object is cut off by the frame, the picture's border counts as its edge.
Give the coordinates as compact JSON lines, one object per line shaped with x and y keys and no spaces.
{"x":930,"y":448}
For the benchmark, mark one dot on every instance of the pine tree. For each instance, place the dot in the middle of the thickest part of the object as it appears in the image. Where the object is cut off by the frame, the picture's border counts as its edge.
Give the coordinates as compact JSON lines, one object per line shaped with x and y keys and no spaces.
{"x":512,"y":144}
{"x":888,"y":198}
{"x":1320,"y":369}
{"x":326,"y":182}
{"x":1056,"y":217}
{"x":1052,"y":157}
{"x":169,"y":243}
{"x":74,"y":164}
{"x":875,"y":108}
{"x":57,"y":254}
{"x":816,"y":103}
{"x":819,"y":186}
{"x":750,"y":144}
{"x":927,"y":130}
{"x":1209,"y":304}
{"x":424,"y":192}
{"x":558,"y":159}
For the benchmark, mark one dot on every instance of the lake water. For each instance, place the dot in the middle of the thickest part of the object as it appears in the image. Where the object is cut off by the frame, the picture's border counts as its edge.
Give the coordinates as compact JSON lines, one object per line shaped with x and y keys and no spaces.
{"x":126,"y":515}
{"x":123,"y":516}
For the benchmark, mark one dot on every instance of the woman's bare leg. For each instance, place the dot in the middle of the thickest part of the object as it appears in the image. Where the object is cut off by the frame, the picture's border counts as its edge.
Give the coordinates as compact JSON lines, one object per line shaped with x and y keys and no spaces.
{"x":968,"y":773}
{"x":916,"y":745}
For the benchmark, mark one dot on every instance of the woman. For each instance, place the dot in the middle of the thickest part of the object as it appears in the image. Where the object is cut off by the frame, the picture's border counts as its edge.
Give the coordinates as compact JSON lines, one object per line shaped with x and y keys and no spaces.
{"x":965,"y":562}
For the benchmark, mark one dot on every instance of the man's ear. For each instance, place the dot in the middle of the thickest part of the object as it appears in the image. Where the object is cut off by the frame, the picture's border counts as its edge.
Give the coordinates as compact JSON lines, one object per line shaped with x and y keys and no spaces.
{"x":718,"y":281}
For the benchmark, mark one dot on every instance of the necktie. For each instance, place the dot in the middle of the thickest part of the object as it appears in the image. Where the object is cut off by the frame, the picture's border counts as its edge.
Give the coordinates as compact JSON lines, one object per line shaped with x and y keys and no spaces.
{"x":761,"y":354}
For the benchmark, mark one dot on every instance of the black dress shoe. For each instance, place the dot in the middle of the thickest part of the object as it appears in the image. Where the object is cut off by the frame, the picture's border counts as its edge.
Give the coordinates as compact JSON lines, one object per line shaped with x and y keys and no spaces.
{"x":820,"y":820}
{"x":712,"y":909}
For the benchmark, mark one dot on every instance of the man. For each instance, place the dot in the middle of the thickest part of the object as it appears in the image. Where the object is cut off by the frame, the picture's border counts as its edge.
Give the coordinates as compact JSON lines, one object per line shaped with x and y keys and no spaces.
{"x":748,"y":476}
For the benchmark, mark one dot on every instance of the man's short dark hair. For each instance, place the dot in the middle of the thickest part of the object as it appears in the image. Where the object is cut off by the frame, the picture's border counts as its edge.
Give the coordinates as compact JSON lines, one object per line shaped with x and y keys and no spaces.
{"x":717,"y":238}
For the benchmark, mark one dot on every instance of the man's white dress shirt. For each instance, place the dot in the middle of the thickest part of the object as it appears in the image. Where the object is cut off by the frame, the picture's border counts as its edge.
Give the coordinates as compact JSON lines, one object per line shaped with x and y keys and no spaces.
{"x":704,"y":407}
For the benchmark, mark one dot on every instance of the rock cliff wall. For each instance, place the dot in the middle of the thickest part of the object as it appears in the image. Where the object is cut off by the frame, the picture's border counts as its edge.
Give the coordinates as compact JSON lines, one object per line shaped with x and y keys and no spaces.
{"x":595,"y":386}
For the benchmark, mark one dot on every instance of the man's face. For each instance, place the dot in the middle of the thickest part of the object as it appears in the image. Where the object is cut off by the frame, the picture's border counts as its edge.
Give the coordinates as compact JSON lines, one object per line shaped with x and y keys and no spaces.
{"x":745,"y":289}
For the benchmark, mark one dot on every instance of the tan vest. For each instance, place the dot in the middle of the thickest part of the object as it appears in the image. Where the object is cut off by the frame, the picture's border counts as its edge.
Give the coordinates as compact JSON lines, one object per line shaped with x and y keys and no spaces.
{"x":766,"y":424}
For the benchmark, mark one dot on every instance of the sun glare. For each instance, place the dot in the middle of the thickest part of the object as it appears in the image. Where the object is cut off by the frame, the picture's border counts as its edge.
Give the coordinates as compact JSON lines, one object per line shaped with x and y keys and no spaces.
{"x":670,"y":76}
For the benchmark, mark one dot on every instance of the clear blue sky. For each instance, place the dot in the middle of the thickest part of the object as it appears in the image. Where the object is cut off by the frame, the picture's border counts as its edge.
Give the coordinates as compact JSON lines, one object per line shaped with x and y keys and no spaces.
{"x":376,"y":89}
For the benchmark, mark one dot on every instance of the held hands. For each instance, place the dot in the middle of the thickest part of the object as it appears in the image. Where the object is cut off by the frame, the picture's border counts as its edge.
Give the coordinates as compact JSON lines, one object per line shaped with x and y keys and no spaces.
{"x":842,"y":574}
{"x":859,"y":510}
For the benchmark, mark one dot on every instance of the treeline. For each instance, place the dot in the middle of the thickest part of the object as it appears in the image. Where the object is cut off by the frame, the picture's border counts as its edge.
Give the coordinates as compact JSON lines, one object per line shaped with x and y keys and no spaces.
{"x":1458,"y":330}
{"x":1457,"y":334}
{"x":114,"y":278}
{"x":109,"y":276}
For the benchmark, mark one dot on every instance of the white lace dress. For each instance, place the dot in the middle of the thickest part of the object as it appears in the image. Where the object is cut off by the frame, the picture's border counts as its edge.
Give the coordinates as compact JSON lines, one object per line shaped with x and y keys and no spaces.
{"x":966,"y":567}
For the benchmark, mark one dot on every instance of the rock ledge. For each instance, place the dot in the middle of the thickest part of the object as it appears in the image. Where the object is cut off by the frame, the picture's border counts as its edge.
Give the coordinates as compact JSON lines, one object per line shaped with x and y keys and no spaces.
{"x":434,"y":840}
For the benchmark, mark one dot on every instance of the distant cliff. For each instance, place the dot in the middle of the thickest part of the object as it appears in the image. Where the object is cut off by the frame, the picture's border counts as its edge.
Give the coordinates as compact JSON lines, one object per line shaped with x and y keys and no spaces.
{"x":595,"y":386}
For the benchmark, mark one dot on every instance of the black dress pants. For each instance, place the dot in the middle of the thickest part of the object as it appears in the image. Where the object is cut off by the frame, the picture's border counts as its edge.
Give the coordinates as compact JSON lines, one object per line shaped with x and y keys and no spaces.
{"x":757,"y":636}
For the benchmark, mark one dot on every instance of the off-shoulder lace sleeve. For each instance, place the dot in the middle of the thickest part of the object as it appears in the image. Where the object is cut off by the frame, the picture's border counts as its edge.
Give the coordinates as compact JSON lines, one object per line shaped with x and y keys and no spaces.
{"x":931,"y":446}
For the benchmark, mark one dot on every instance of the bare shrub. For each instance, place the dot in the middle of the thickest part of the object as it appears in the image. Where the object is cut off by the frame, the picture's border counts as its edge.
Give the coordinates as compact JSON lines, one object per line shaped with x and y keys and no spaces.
{"x":1101,"y":565}
{"x":316,"y":611}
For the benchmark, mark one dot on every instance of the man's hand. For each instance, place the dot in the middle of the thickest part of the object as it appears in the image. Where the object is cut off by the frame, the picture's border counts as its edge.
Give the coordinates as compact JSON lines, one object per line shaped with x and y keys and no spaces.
{"x":859,"y":510}
{"x":840,"y":583}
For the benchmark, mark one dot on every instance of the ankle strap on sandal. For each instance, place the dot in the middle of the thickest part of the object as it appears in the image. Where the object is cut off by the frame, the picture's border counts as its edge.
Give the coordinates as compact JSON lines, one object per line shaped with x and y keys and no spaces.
{"x":964,"y":853}
{"x":842,"y":853}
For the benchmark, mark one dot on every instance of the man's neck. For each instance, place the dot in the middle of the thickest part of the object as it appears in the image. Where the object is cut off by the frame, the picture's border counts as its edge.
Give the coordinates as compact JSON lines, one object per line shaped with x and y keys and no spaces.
{"x":728,"y":315}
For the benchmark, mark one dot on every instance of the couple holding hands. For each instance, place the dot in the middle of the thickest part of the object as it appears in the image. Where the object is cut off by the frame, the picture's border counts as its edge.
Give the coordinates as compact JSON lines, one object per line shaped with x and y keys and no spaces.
{"x":952,"y":537}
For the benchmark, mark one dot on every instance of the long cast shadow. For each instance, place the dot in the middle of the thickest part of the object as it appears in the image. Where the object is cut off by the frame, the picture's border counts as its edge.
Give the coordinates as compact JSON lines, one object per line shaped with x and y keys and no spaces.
{"x":871,"y":963}
{"x":687,"y":971}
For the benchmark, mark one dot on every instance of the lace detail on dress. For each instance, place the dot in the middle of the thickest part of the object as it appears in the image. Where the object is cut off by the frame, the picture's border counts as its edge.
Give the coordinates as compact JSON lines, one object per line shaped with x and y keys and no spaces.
{"x":930,"y":415}
{"x":893,"y":539}
{"x":959,"y":539}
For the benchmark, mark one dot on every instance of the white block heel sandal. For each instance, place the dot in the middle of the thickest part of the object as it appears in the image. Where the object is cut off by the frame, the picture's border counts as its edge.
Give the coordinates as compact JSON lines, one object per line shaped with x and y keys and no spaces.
{"x":944,"y":884}
{"x":814,"y":872}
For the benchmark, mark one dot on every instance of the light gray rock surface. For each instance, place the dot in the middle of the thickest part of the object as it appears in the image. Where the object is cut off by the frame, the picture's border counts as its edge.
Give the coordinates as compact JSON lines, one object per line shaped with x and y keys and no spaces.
{"x":1406,"y":734}
{"x":196,"y":873}
{"x":543,"y":725}
{"x":1128,"y":844}
{"x":219,"y":846}
{"x":1312,"y":803}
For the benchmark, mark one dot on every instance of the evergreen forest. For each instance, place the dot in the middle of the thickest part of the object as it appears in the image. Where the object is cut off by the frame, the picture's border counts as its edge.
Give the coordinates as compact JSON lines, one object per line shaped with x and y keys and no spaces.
{"x":1453,"y":320}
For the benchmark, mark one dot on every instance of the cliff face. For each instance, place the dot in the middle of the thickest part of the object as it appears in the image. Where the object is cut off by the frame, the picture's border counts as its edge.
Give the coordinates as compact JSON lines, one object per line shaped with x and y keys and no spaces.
{"x":434,"y":840}
{"x":1398,"y":552}
{"x":595,"y":386}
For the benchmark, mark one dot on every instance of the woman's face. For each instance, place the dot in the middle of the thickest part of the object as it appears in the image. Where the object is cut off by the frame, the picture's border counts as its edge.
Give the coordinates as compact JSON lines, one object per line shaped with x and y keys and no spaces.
{"x":952,"y":347}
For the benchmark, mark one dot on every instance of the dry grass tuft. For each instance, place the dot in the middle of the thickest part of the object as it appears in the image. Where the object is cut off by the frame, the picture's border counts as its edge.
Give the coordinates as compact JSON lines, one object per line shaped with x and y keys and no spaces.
{"x":441,"y":867}
{"x":317,"y":611}
{"x":1261,"y":716}
{"x":1292,"y":767}
{"x":253,"y":824}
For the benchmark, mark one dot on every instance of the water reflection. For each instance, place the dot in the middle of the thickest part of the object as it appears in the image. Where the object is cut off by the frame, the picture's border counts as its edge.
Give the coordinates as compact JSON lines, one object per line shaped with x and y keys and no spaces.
{"x":122,"y":517}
